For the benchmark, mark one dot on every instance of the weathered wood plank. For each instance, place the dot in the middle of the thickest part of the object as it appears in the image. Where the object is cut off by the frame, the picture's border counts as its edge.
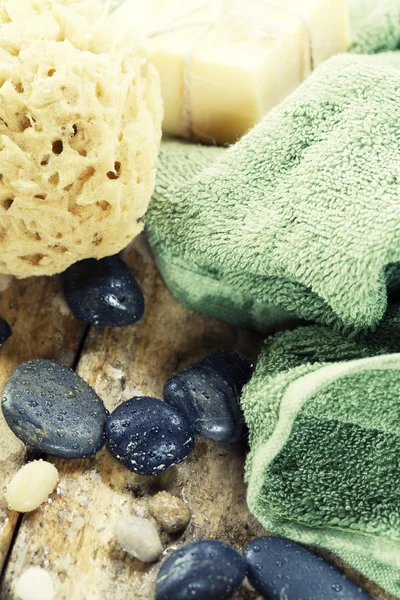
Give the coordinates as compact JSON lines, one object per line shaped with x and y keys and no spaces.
{"x":42,"y":328}
{"x":71,"y":536}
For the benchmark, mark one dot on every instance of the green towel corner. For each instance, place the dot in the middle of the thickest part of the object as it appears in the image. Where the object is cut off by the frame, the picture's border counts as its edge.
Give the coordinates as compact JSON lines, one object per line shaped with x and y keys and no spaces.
{"x":301,"y":218}
{"x":325,"y":435}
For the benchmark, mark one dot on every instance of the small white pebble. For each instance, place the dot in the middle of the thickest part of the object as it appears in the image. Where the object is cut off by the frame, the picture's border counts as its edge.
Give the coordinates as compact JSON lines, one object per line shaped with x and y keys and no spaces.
{"x":31,"y":486}
{"x":34,"y":584}
{"x":139,"y":538}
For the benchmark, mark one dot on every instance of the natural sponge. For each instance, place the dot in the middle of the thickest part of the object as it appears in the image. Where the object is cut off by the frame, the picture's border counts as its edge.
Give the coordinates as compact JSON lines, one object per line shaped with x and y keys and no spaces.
{"x":80,"y":125}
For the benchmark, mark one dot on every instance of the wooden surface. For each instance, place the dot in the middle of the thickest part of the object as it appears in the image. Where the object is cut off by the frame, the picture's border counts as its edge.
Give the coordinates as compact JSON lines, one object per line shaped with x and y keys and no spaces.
{"x":71,"y":535}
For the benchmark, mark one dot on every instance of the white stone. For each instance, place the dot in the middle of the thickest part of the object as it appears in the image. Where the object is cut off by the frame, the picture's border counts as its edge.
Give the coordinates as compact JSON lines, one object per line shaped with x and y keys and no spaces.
{"x":139,"y":538}
{"x":31,"y":486}
{"x":34,"y":584}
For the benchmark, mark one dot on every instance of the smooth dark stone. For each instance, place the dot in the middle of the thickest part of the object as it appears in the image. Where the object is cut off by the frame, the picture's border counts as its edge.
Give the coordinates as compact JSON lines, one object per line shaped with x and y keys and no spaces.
{"x":103,"y":292}
{"x":148,"y":435}
{"x":5,"y":331}
{"x":205,"y":570}
{"x":50,"y":408}
{"x":208,"y":394}
{"x":278,"y":567}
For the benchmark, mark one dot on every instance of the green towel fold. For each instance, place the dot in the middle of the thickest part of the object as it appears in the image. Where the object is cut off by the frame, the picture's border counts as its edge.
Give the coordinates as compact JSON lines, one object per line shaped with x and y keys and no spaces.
{"x":324,"y":464}
{"x":301,"y":217}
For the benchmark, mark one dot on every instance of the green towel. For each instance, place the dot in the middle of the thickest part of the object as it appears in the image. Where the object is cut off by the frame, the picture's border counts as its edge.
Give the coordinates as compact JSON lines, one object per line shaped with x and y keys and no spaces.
{"x":324,"y":465}
{"x":301,"y":217}
{"x":375,"y":25}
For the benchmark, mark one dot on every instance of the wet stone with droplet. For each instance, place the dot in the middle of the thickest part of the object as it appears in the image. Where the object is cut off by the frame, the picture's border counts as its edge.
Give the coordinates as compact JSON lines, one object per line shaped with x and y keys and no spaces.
{"x":204,"y":570}
{"x":208,"y":393}
{"x":148,"y":436}
{"x":38,"y":407}
{"x":103,"y":292}
{"x":279,"y":568}
{"x":5,"y":331}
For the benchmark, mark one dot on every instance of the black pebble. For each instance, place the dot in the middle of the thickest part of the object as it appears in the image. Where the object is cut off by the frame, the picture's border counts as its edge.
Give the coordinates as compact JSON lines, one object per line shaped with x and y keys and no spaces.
{"x":50,"y":408}
{"x":278,"y":567}
{"x":103,"y":292}
{"x":5,"y":331}
{"x":148,"y":436}
{"x":208,"y":393}
{"x":205,"y":570}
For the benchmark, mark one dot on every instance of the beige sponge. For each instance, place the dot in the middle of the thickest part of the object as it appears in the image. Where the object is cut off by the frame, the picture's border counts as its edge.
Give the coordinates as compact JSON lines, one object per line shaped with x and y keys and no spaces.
{"x":80,"y":126}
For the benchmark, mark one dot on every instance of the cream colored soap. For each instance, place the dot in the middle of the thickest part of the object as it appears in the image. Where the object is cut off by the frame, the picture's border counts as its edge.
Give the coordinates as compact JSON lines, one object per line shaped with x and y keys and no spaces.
{"x":31,"y":486}
{"x":223,"y":65}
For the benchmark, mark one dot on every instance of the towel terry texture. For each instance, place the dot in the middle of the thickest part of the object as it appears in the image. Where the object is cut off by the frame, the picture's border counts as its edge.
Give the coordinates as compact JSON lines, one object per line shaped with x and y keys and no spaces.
{"x":301,"y":217}
{"x":325,"y":435}
{"x":375,"y":25}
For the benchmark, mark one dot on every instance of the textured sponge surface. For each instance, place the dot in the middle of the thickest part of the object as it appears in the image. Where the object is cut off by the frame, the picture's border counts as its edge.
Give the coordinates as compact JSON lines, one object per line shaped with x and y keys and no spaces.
{"x":80,"y":125}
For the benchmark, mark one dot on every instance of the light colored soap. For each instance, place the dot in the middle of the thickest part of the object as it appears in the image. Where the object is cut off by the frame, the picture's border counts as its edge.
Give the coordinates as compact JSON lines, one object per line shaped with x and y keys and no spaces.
{"x":34,"y":584}
{"x":139,"y":538}
{"x":31,"y":486}
{"x":225,"y":66}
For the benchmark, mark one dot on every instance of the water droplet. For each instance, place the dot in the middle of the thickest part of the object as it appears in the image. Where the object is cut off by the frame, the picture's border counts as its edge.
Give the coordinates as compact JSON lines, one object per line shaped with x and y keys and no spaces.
{"x":256,"y":548}
{"x":75,"y":446}
{"x":70,"y":394}
{"x":61,"y":432}
{"x":32,"y":403}
{"x":279,"y":563}
{"x":336,"y":587}
{"x":259,"y":566}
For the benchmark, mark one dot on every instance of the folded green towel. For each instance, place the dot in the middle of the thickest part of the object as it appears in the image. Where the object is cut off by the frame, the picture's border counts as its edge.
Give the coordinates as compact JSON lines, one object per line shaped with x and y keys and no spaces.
{"x":301,"y":217}
{"x":324,"y":464}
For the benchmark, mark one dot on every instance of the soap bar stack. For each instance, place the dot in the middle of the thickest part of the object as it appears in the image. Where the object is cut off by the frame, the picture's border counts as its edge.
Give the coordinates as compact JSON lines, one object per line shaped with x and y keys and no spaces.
{"x":223,"y":65}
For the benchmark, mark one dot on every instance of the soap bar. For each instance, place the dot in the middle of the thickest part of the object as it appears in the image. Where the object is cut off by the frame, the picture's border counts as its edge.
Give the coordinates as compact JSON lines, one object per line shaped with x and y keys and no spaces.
{"x":223,"y":65}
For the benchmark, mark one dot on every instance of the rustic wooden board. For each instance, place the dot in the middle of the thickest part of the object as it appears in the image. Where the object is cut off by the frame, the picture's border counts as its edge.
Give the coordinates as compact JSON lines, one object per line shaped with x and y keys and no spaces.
{"x":42,"y":328}
{"x":71,"y":535}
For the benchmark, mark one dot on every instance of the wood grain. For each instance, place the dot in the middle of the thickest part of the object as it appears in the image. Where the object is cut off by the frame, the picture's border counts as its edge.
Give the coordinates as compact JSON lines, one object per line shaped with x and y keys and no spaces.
{"x":42,"y":328}
{"x":71,"y":535}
